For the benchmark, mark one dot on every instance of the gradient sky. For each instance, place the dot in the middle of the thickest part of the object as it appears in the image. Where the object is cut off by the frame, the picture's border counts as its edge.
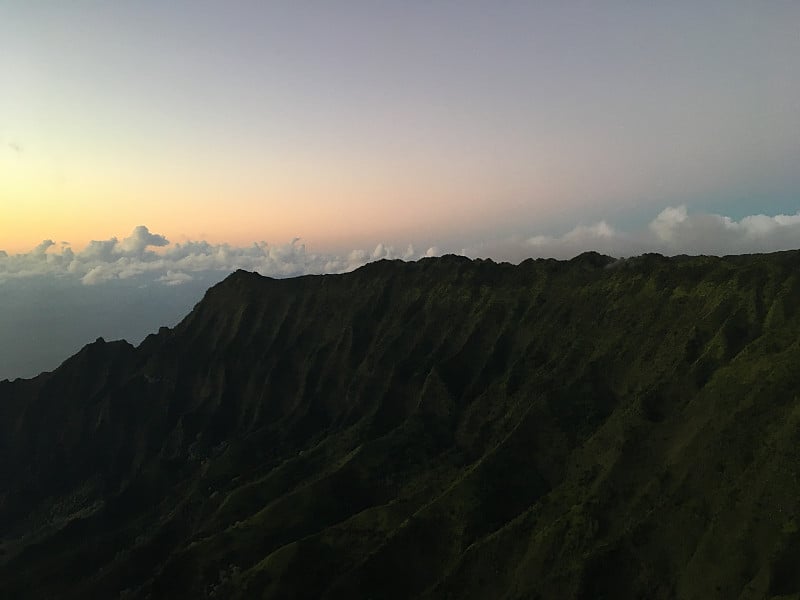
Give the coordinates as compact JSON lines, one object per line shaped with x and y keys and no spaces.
{"x":352,"y":123}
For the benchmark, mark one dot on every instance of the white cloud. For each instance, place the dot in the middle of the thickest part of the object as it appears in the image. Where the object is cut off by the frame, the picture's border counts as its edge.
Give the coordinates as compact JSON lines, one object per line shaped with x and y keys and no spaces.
{"x":143,"y":254}
{"x":678,"y":231}
{"x":175,"y":278}
{"x":134,"y":256}
{"x":130,"y":288}
{"x":673,"y":231}
{"x":139,"y":240}
{"x":98,"y":274}
{"x":101,"y":250}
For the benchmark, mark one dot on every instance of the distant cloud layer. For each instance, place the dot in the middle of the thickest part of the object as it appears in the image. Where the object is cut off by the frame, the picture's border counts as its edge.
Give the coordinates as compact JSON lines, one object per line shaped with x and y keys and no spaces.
{"x":148,"y":256}
{"x":55,"y":299}
{"x":673,"y":231}
{"x":134,"y":256}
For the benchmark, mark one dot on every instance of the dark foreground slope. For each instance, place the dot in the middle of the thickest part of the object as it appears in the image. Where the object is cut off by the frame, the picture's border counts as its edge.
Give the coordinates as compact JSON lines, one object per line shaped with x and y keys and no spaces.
{"x":440,"y":429}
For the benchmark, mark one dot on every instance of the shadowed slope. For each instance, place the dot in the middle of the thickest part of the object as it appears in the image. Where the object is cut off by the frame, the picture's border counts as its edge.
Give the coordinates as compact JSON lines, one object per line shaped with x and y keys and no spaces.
{"x":446,"y":428}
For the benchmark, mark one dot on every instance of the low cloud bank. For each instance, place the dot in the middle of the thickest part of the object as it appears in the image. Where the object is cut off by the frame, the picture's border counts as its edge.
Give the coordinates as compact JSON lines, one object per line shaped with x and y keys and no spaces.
{"x":135,"y":257}
{"x":55,"y":300}
{"x":674,"y":231}
{"x":150,"y":258}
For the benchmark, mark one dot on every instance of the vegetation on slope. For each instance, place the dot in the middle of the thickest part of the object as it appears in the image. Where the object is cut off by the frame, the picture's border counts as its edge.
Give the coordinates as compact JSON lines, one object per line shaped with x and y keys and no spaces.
{"x":442,"y":429}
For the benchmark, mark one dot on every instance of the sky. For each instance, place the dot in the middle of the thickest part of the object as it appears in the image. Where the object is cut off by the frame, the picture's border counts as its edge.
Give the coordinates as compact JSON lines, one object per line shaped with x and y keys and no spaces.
{"x":164,"y":144}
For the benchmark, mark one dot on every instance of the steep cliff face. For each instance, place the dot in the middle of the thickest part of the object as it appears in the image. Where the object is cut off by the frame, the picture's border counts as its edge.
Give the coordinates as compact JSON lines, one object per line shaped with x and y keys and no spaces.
{"x":446,"y":428}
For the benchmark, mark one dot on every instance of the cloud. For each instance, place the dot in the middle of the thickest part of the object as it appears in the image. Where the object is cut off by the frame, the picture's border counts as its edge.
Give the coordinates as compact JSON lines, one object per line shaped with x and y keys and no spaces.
{"x":55,"y":298}
{"x":101,"y":250}
{"x":175,"y":278}
{"x":97,"y":274}
{"x":127,"y":289}
{"x":673,"y":231}
{"x":149,"y":258}
{"x":41,"y":249}
{"x":139,"y":240}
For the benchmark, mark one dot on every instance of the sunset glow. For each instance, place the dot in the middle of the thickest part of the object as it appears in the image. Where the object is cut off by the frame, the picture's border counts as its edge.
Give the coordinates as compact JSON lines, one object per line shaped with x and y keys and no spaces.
{"x":353,"y":125}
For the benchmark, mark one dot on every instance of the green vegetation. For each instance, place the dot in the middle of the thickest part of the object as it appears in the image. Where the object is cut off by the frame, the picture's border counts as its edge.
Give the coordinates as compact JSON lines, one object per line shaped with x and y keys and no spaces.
{"x":593,"y":428}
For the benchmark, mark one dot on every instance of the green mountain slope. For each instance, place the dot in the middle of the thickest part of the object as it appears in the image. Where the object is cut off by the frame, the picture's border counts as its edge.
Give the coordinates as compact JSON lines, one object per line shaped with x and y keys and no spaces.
{"x":442,"y":429}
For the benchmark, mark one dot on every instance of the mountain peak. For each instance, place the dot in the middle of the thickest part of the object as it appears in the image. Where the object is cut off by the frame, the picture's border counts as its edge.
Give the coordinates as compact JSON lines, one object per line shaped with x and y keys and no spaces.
{"x":593,"y":259}
{"x":443,"y":428}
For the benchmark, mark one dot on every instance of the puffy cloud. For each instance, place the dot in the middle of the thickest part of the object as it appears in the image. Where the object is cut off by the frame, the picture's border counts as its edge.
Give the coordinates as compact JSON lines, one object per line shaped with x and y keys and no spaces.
{"x":41,"y":249}
{"x":151,"y":257}
{"x":389,"y":252}
{"x":136,"y":246}
{"x":99,"y":250}
{"x":98,"y":274}
{"x":139,"y":240}
{"x":129,"y":288}
{"x":175,"y":278}
{"x":673,"y":231}
{"x":667,"y":221}
{"x":678,"y":231}
{"x":134,"y":257}
{"x":600,"y":237}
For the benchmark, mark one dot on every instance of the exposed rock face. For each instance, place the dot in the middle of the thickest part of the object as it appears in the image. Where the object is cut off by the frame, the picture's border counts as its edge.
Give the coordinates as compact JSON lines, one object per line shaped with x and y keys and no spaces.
{"x":446,"y":428}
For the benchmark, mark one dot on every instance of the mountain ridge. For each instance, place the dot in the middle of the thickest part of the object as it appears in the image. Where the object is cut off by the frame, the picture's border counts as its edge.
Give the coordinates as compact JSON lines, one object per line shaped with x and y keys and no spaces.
{"x":443,"y":428}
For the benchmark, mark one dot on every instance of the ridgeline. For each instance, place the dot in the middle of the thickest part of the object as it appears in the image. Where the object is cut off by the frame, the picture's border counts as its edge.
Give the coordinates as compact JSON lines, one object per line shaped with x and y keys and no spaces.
{"x":593,"y":428}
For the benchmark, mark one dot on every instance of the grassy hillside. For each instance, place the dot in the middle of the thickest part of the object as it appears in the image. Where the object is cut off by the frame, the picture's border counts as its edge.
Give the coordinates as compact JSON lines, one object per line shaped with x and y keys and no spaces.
{"x":448,"y":428}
